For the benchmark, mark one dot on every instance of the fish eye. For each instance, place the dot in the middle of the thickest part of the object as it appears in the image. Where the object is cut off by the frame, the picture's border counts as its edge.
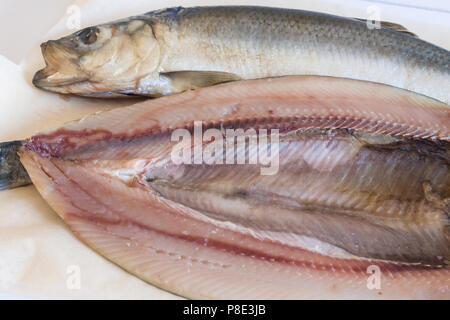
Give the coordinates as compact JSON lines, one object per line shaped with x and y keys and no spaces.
{"x":88,"y":35}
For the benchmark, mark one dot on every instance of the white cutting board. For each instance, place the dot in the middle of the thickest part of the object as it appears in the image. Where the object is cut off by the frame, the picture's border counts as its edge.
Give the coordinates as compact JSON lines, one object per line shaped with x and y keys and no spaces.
{"x":39,"y":256}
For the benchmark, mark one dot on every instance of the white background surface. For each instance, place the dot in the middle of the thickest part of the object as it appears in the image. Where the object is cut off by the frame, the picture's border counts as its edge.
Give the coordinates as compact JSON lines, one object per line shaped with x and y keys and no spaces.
{"x":36,"y":248}
{"x":24,"y":21}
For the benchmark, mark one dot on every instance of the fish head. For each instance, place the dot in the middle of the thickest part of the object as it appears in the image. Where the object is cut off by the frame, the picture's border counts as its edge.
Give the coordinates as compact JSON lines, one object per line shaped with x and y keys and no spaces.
{"x":101,"y":60}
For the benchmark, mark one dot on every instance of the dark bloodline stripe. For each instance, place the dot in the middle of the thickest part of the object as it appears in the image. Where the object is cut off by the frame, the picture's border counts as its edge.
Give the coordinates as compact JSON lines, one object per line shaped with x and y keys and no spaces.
{"x":239,"y":251}
{"x":62,"y":141}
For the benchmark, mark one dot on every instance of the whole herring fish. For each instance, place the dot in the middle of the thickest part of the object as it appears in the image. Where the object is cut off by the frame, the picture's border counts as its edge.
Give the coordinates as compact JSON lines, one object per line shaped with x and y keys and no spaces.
{"x":176,"y":49}
{"x":285,"y":188}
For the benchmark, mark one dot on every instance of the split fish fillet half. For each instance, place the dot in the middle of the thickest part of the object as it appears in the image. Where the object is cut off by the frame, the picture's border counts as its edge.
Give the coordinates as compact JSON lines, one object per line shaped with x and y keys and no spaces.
{"x":294,"y":187}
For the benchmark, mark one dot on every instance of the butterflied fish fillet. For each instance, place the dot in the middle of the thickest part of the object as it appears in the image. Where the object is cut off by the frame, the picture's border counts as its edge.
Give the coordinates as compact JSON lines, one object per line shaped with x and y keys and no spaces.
{"x":347,"y":196}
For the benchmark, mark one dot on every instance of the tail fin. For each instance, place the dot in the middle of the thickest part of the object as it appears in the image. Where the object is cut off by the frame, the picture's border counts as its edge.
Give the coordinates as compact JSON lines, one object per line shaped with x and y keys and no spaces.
{"x":12,"y":173}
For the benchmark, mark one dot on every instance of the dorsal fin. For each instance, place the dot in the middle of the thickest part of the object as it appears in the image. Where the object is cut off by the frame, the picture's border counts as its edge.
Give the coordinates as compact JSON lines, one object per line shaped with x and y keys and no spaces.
{"x":393,"y":26}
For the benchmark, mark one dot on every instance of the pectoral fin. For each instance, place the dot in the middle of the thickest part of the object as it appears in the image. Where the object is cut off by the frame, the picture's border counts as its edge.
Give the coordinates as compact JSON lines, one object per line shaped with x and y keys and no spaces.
{"x":185,"y":80}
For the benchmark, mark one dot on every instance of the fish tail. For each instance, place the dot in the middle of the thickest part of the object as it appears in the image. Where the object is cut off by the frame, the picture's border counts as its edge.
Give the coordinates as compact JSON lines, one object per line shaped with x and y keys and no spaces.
{"x":12,"y":172}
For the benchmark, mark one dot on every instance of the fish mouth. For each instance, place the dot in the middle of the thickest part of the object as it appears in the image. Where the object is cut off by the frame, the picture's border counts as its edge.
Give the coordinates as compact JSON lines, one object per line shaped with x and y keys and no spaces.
{"x":62,"y":68}
{"x":51,"y":80}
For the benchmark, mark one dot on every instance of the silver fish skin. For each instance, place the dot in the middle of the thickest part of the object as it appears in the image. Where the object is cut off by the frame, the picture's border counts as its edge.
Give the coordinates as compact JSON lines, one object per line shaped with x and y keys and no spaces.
{"x":12,"y":173}
{"x":172,"y":50}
